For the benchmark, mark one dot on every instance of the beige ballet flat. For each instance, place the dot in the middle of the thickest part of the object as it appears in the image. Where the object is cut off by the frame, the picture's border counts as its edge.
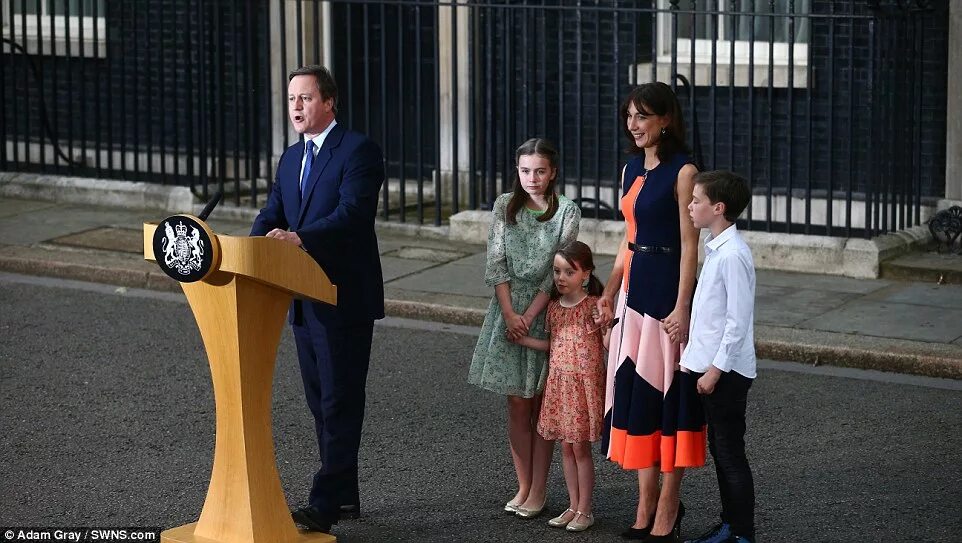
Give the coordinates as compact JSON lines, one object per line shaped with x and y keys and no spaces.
{"x":511,"y":507}
{"x":577,"y":525}
{"x":530,"y":513}
{"x":559,"y":521}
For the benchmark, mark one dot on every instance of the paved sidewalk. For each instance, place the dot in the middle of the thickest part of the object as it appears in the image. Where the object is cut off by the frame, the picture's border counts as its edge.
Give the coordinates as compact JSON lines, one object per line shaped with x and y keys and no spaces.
{"x":892,"y":325}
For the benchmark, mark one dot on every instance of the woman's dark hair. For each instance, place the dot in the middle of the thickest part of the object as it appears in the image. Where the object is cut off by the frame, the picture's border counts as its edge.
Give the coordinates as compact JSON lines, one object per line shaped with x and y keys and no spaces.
{"x":657,"y":99}
{"x":546,"y":150}
{"x":578,"y":255}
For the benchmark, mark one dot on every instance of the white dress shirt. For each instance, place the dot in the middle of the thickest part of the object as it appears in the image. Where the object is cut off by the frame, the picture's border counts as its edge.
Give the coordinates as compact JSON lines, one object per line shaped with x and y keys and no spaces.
{"x":318,"y":141}
{"x":723,"y":312}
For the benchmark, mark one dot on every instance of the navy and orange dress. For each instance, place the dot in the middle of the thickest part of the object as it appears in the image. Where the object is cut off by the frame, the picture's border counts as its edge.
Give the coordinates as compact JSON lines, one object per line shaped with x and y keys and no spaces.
{"x":652,"y":411}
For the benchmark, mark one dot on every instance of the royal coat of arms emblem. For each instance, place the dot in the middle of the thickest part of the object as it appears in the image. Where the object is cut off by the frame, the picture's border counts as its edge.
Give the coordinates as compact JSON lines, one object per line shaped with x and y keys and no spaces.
{"x":182,"y":251}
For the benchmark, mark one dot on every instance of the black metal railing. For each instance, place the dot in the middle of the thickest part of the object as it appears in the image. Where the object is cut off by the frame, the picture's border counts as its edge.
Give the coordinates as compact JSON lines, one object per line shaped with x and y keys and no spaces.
{"x":830,"y":108}
{"x":164,"y":92}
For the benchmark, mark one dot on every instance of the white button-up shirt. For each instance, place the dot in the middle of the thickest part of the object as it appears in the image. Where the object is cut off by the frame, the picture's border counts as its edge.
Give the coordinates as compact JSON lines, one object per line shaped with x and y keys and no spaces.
{"x":723,"y":312}
{"x":318,"y":142}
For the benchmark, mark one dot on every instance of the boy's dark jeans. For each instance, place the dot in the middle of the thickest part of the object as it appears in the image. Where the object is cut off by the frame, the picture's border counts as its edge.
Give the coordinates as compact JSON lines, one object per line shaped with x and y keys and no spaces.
{"x":725,"y":414}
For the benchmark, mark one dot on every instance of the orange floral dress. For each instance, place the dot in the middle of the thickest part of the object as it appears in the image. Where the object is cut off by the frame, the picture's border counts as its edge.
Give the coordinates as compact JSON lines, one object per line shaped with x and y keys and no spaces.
{"x":574,"y":394}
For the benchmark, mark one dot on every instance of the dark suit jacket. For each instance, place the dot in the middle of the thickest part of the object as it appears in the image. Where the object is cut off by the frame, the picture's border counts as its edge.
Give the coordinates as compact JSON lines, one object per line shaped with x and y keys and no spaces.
{"x":335,"y":221}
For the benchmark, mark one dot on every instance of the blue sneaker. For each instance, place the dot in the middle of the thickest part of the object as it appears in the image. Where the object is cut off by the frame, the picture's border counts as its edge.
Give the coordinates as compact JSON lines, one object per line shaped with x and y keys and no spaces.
{"x":721,"y":533}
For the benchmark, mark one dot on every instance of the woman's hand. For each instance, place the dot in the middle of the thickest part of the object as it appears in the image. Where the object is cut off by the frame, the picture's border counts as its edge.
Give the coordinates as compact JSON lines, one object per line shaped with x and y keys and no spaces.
{"x":676,"y":325}
{"x":517,"y":326}
{"x":604,"y":311}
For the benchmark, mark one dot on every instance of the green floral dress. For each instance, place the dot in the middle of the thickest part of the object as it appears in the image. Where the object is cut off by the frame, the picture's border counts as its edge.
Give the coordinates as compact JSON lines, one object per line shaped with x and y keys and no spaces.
{"x":520,"y":254}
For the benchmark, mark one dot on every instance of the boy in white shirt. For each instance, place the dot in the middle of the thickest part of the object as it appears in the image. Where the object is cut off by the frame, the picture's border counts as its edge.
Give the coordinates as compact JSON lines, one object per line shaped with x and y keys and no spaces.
{"x":721,"y":346}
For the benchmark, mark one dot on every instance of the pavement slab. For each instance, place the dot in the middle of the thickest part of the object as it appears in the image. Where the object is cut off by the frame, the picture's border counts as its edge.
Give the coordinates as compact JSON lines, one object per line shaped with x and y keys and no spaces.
{"x":393,"y":267}
{"x":478,"y":259}
{"x":107,"y":238}
{"x":790,"y":306}
{"x":930,"y":294}
{"x":892,"y":320}
{"x":454,"y":278}
{"x":829,"y":283}
{"x":391,"y":239}
{"x":50,"y":222}
{"x":9,"y":207}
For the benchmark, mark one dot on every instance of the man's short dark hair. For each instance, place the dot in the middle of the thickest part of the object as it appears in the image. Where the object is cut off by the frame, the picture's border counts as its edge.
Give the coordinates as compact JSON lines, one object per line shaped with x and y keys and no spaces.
{"x":325,"y":81}
{"x":727,"y":188}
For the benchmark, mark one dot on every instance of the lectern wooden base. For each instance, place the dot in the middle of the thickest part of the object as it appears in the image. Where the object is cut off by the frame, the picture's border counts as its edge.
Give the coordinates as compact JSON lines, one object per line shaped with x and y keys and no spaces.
{"x":240,"y":304}
{"x":185,"y":534}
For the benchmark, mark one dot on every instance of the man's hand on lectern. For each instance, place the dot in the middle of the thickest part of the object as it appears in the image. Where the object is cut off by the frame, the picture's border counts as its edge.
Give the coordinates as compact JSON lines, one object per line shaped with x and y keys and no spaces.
{"x":284,"y":235}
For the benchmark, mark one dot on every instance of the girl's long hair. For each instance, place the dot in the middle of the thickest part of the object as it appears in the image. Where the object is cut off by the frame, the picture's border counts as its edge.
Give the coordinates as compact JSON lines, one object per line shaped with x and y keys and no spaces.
{"x":546,"y":150}
{"x":578,"y":255}
{"x":657,"y":99}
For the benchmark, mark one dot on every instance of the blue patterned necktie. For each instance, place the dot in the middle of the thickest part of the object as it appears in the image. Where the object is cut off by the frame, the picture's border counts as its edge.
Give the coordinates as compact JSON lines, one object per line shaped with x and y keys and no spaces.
{"x":307,"y":167}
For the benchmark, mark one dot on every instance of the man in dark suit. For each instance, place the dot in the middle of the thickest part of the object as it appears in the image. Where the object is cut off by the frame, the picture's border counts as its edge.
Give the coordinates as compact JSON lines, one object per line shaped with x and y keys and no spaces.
{"x":324,"y":199}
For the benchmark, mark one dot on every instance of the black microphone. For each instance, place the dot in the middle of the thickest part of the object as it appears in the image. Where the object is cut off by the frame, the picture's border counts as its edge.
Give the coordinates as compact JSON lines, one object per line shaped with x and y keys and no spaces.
{"x":210,"y":206}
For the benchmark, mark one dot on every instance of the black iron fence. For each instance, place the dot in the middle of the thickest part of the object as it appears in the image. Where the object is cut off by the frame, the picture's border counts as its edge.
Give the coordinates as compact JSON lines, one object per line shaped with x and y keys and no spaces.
{"x":833,"y":109}
{"x":164,"y":92}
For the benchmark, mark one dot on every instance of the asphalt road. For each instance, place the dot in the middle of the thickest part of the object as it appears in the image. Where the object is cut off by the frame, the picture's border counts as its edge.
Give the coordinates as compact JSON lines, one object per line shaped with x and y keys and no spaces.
{"x":107,"y":419}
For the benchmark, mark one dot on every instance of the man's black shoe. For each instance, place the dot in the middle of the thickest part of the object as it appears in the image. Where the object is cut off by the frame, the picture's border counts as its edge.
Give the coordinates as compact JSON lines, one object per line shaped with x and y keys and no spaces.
{"x":350,"y":511}
{"x":313,"y":519}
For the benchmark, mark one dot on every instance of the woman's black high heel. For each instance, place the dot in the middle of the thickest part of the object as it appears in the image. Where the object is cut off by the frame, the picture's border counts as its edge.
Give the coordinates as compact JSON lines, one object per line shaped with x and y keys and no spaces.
{"x":637,"y":534}
{"x":674,"y":536}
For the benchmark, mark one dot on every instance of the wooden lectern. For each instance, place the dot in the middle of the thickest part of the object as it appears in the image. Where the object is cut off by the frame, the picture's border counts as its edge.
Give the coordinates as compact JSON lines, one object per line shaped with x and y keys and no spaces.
{"x":241,"y":305}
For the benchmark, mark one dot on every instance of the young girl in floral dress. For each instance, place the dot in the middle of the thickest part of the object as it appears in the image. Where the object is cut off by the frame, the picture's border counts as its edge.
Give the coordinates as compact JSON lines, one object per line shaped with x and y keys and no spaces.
{"x":573,"y":408}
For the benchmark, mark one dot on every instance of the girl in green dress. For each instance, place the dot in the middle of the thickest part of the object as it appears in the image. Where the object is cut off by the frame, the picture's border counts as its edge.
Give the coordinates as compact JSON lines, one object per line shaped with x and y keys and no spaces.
{"x":530,"y":225}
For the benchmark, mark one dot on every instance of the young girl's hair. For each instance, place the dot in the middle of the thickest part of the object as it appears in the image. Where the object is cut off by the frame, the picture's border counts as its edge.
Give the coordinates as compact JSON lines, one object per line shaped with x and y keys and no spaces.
{"x":579,"y":256}
{"x":657,"y":99}
{"x":546,"y":150}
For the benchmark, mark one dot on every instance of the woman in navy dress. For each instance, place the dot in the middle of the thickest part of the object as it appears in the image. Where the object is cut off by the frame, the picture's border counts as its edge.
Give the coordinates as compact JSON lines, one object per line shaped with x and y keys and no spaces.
{"x":654,"y":417}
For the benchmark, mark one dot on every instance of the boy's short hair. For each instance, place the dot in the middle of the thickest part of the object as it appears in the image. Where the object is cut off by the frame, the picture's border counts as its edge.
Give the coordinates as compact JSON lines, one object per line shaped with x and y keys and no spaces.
{"x":727,"y":188}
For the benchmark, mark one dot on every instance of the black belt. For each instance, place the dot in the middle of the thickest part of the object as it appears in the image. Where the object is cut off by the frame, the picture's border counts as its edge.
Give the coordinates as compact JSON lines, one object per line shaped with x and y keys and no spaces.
{"x":649,"y":248}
